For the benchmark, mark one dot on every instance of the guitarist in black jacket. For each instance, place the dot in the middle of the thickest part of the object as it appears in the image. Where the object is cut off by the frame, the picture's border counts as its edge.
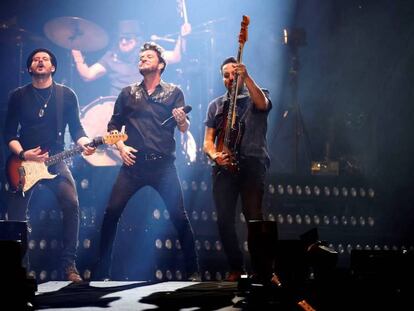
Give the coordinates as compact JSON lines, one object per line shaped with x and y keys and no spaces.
{"x":34,"y":128}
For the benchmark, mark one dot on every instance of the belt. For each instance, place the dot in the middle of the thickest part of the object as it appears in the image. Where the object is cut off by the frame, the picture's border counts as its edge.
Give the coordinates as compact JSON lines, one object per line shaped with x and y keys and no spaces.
{"x":151,"y":157}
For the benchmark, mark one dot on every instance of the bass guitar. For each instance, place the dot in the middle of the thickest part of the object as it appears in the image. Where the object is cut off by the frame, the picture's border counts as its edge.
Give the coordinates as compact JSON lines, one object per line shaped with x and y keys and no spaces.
{"x":23,"y":175}
{"x":230,"y":136}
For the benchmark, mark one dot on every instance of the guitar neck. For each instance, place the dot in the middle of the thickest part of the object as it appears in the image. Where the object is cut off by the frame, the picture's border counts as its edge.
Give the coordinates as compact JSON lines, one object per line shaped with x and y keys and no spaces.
{"x":63,"y":156}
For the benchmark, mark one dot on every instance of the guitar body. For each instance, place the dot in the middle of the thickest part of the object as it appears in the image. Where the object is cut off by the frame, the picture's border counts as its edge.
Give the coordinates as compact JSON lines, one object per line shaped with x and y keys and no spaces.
{"x":23,"y":175}
{"x":235,"y":135}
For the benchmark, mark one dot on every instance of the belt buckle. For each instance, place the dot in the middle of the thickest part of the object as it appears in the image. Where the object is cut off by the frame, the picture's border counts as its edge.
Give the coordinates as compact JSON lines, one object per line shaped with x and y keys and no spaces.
{"x":151,"y":157}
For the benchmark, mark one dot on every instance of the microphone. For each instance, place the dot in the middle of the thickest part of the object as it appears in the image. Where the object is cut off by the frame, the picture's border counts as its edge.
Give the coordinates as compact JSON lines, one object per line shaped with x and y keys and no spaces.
{"x":171,"y":119}
{"x":158,"y":38}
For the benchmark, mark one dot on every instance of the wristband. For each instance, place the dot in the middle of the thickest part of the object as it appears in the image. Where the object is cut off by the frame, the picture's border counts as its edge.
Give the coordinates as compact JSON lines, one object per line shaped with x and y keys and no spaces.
{"x":21,"y":155}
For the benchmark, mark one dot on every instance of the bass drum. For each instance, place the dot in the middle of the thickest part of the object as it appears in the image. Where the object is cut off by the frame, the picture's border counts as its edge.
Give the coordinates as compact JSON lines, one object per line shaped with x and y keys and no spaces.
{"x":94,"y":118}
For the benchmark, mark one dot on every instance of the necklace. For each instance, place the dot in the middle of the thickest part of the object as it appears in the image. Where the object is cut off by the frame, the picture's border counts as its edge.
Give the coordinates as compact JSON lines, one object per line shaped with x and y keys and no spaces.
{"x":42,"y":101}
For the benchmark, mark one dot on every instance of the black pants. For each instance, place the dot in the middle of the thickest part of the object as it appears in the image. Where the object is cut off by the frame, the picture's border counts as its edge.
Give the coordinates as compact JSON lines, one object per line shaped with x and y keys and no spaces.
{"x":162,"y":176}
{"x":248,"y":184}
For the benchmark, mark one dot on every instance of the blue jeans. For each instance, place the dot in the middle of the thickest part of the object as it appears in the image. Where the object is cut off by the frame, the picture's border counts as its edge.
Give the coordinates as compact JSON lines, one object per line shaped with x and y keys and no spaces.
{"x":162,"y":176}
{"x":63,"y":186}
{"x":248,"y":184}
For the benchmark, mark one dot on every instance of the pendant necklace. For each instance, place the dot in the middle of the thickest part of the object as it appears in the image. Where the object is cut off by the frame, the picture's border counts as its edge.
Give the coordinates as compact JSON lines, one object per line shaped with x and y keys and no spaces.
{"x":43,"y":101}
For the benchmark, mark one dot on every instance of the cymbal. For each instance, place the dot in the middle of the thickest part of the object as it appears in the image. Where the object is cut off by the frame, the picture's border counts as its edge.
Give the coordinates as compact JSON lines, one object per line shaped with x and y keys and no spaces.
{"x":76,"y":33}
{"x":16,"y":35}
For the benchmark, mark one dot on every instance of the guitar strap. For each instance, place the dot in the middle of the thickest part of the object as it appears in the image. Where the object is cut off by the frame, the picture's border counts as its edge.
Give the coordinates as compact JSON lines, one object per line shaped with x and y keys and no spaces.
{"x":59,"y":115}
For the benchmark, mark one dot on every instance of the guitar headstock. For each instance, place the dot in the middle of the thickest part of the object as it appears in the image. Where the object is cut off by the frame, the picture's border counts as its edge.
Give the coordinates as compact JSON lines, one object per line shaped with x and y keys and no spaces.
{"x":243,"y":30}
{"x":113,"y":138}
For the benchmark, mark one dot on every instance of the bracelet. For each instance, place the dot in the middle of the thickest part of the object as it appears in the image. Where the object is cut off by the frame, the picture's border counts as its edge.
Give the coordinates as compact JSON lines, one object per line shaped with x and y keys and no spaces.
{"x":21,"y":155}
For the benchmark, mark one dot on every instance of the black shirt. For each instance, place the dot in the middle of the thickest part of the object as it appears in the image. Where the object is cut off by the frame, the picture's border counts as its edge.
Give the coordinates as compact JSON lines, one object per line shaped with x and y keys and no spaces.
{"x":142,"y":115}
{"x":253,"y":143}
{"x":25,"y":123}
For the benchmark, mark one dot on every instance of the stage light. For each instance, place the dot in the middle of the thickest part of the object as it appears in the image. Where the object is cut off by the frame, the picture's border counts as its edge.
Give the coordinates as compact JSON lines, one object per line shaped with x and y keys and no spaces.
{"x":344,"y":191}
{"x":326,"y":220}
{"x":280,"y":189}
{"x":156,"y":214}
{"x":298,"y":219}
{"x":349,"y":248}
{"x":316,"y":190}
{"x":86,"y":243}
{"x":168,"y":275}
{"x":280,"y":219}
{"x":168,"y":244}
{"x":32,"y":244}
{"x":335,"y":220}
{"x":367,"y":247}
{"x":289,"y":189}
{"x":271,"y":189}
{"x":84,"y":183}
{"x":271,"y":217}
{"x":371,"y":221}
{"x":166,"y":214}
{"x":353,"y":192}
{"x":177,"y":244}
{"x":203,"y":186}
{"x":178,"y":275}
{"x":158,"y":243}
{"x":42,"y":215}
{"x":386,"y":247}
{"x":316,"y":220}
{"x":344,"y":220}
{"x":53,"y":214}
{"x":194,"y":215}
{"x":218,"y":246}
{"x":377,"y":248}
{"x":308,"y":191}
{"x":298,"y":190}
{"x":214,"y":216}
{"x":207,"y":275}
{"x":197,"y":244}
{"x":289,"y":219}
{"x":371,"y":193}
{"x":194,"y":186}
{"x":246,"y":246}
{"x":42,"y":244}
{"x":184,"y":185}
{"x":327,"y":191}
{"x":362,"y":221}
{"x":340,"y":248}
{"x":158,"y":274}
{"x":308,"y":219}
{"x":207,"y":245}
{"x":32,"y":274}
{"x":204,"y":216}
{"x":362,"y":192}
{"x":218,"y":276}
{"x":335,"y":191}
{"x":87,"y":274}
{"x":43,"y":275}
{"x":358,"y":247}
{"x":353,"y":221}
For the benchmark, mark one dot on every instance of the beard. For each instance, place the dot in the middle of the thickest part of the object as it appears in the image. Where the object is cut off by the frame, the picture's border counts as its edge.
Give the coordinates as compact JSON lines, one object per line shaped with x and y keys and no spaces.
{"x":147,"y":70}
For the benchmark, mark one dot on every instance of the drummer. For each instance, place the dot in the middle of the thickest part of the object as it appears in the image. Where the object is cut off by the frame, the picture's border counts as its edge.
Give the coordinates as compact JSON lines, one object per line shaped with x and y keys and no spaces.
{"x":121,"y":63}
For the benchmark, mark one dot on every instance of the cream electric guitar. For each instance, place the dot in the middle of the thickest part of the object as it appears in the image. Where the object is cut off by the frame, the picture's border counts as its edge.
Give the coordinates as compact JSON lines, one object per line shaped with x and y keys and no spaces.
{"x":23,"y":175}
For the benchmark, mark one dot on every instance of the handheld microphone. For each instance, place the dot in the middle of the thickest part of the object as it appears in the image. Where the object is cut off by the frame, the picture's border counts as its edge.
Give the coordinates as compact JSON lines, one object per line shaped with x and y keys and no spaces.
{"x":171,"y":119}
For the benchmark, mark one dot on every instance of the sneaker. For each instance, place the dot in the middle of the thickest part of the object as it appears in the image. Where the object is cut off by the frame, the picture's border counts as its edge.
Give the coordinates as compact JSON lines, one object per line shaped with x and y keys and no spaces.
{"x":72,"y":274}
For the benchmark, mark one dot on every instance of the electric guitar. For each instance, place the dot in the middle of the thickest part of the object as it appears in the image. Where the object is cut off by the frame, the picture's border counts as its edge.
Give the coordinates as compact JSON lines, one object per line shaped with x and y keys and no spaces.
{"x":23,"y":175}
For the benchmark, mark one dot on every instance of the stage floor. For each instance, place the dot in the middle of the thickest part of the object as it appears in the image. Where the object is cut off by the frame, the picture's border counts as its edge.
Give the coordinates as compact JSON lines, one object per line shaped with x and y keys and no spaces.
{"x":138,"y":295}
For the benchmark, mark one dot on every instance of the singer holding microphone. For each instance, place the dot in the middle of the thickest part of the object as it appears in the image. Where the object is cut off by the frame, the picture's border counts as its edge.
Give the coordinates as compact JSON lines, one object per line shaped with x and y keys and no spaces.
{"x":150,"y":111}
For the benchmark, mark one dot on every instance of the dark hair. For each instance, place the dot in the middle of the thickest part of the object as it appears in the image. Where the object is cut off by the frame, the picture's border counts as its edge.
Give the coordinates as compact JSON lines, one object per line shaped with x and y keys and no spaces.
{"x":157,"y":49}
{"x":51,"y":55}
{"x":228,"y":60}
